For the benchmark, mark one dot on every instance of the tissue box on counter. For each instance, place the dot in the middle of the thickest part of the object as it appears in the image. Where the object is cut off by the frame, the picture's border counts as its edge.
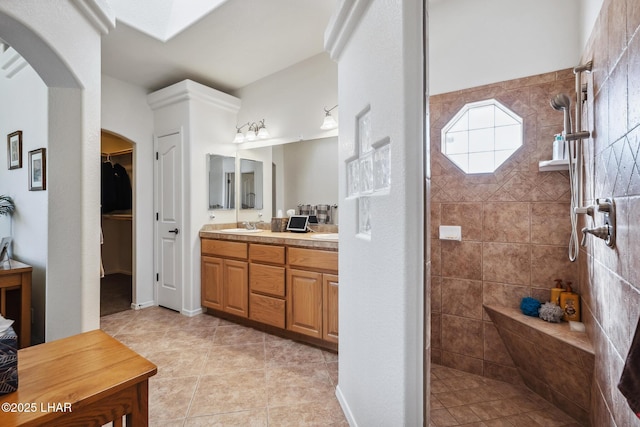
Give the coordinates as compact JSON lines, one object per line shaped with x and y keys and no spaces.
{"x":279,"y":224}
{"x":8,"y":361}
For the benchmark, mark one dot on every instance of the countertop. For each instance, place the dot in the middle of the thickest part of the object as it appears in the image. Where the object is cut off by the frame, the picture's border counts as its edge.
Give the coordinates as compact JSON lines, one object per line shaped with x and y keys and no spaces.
{"x":304,"y":240}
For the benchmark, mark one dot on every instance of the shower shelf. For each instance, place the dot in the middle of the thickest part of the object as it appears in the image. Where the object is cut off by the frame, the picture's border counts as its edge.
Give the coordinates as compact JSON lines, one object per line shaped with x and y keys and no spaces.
{"x":553,"y":165}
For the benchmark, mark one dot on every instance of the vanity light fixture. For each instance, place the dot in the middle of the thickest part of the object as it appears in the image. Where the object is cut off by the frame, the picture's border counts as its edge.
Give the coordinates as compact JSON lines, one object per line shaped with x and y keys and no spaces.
{"x":329,"y":122}
{"x":256,"y":130}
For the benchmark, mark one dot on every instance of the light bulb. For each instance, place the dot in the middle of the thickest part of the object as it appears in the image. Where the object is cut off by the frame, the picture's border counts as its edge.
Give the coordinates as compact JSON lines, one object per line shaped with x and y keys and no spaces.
{"x":239,"y":138}
{"x":329,"y":122}
{"x":263,"y":133}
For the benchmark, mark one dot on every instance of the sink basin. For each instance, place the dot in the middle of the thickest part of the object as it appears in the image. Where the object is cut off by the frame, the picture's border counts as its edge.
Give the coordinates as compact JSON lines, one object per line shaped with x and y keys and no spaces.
{"x":239,"y":231}
{"x":326,"y":236}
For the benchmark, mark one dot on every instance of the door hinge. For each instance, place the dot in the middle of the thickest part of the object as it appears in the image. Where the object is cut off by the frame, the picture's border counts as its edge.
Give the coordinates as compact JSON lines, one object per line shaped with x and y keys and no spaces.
{"x":157,"y":156}
{"x":157,"y":277}
{"x":157,"y":216}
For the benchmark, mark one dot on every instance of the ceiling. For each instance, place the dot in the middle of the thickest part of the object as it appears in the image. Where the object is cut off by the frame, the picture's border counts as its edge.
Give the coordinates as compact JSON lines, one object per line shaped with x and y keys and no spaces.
{"x":237,"y":43}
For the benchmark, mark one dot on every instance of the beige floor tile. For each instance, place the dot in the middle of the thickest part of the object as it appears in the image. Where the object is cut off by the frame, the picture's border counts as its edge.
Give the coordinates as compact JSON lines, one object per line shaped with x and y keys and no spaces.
{"x":284,"y":353}
{"x":326,"y":413}
{"x":144,"y":343}
{"x":189,"y":338}
{"x":299,"y":384}
{"x":229,"y":358}
{"x":178,"y":362}
{"x":229,"y":392}
{"x":332,"y":368}
{"x":169,"y":398}
{"x":237,"y":334}
{"x":330,"y":356}
{"x":167,"y":423}
{"x":254,"y":418}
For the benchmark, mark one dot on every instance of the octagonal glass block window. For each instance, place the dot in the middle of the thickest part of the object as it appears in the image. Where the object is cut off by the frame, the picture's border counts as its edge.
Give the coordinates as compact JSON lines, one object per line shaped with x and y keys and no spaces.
{"x":482,"y":136}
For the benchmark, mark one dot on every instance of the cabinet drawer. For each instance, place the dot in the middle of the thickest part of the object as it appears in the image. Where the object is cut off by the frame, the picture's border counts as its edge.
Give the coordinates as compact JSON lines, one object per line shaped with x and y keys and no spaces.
{"x":267,"y":310}
{"x":267,"y":279}
{"x":224,"y":248}
{"x":266,"y":253}
{"x":312,"y":258}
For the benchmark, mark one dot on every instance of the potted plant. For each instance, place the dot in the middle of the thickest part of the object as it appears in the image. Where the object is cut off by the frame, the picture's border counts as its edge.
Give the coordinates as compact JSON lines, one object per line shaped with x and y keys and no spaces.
{"x":6,"y":205}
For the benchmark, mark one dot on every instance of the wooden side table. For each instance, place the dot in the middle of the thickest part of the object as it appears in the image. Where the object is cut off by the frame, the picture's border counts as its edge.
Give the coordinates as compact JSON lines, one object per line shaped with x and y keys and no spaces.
{"x":16,"y":275}
{"x":87,"y":379}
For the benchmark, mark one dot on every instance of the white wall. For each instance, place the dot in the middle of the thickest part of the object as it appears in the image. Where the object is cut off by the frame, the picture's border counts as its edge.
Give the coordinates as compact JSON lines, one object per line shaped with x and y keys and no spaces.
{"x":125,"y":112}
{"x":292,"y":101}
{"x":26,"y":110}
{"x":69,"y":63}
{"x":379,"y":50}
{"x":589,"y":11}
{"x":472,"y":43}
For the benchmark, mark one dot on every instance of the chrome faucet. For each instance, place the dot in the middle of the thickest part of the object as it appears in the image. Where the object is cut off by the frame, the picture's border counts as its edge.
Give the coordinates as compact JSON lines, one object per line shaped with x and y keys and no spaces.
{"x":251,"y":225}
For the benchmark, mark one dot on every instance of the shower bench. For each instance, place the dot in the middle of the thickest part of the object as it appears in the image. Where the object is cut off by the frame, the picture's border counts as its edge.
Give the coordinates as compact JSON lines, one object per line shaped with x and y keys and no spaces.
{"x":552,"y":360}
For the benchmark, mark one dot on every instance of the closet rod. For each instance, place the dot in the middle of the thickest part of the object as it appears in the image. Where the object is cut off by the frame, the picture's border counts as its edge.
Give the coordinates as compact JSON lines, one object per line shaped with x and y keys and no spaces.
{"x":117,"y":153}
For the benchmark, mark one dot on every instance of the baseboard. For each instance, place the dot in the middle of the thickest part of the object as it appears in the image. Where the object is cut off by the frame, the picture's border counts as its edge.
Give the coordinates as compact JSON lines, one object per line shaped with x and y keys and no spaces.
{"x":345,"y":407}
{"x":142,"y":305}
{"x":191,"y":313}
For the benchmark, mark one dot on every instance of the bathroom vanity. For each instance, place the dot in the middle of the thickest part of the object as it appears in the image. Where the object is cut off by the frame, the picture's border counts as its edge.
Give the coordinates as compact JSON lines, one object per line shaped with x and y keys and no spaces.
{"x":283,"y":283}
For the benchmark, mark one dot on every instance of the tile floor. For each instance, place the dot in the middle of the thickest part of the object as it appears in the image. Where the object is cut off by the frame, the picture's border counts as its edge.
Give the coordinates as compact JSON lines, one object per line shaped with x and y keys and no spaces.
{"x":463,"y":399}
{"x":215,"y":373}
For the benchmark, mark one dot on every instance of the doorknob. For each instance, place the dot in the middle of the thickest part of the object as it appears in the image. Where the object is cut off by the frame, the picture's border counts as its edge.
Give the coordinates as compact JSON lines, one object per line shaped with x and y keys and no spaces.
{"x":175,"y":230}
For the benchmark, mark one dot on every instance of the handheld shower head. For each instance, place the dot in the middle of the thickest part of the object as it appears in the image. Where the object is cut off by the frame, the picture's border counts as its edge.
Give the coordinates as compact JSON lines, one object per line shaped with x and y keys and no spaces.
{"x":562,"y":102}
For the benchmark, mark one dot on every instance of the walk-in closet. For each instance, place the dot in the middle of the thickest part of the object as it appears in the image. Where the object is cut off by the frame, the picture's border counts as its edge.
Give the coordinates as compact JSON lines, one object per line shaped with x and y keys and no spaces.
{"x":116,"y":283}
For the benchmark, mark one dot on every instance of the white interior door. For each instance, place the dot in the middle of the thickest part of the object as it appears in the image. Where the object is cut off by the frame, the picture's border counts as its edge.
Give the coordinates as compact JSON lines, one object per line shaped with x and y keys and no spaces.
{"x":169,"y":220}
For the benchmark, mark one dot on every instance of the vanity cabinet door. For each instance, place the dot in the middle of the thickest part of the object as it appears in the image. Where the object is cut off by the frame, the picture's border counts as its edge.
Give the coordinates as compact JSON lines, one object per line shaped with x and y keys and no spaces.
{"x":211,"y":271}
{"x":304,"y":302}
{"x":236,"y":288}
{"x":330,"y":307}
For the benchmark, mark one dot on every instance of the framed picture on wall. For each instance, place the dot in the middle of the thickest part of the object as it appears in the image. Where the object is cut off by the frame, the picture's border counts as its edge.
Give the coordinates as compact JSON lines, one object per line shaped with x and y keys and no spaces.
{"x":38,"y":169}
{"x":14,"y":149}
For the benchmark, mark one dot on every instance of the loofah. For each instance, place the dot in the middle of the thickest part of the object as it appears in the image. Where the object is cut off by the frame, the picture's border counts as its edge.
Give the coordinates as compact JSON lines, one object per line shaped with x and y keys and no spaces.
{"x":551,"y":312}
{"x":530,"y":306}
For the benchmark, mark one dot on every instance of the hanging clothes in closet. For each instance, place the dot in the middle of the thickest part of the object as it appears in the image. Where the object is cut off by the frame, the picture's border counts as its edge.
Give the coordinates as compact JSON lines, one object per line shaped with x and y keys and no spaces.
{"x":116,"y":187}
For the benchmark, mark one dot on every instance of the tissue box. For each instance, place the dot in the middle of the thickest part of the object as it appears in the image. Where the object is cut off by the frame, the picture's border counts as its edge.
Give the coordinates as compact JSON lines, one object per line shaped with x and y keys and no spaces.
{"x":8,"y":361}
{"x":279,"y":224}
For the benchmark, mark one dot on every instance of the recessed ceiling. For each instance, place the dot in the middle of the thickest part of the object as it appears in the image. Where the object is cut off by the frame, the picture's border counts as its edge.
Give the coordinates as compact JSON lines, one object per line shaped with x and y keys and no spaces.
{"x":234,"y":44}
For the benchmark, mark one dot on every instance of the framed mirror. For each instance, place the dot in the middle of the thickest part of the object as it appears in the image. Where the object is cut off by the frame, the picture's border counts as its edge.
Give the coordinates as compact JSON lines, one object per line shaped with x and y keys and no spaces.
{"x":222,"y":183}
{"x":251,"y":184}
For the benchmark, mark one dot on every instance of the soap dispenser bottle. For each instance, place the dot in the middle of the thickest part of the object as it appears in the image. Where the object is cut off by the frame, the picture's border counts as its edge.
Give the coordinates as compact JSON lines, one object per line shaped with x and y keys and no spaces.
{"x":570,"y":304}
{"x":556,"y":291}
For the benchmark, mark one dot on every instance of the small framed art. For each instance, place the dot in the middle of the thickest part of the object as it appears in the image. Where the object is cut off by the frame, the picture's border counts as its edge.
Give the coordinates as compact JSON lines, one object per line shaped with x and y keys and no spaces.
{"x":38,"y":169}
{"x":14,"y":150}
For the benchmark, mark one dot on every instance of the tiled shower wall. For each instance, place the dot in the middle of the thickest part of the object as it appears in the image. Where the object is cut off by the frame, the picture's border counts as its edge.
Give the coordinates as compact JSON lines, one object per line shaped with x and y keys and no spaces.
{"x":515,"y":227}
{"x":612,"y":277}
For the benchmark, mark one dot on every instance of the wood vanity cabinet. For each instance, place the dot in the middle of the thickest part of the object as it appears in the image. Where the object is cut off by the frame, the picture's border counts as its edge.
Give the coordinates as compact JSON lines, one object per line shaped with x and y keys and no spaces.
{"x":330,"y":307}
{"x":267,"y":284}
{"x":304,"y":313}
{"x":309,"y":279}
{"x":225,"y":281}
{"x":286,"y":287}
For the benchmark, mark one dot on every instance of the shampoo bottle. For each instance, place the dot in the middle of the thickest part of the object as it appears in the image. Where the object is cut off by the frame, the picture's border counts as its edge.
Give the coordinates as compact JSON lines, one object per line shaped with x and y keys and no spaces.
{"x":570,"y":304}
{"x":556,"y":291}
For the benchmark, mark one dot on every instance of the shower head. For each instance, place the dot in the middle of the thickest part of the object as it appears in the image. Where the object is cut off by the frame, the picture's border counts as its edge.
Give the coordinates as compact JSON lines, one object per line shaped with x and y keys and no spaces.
{"x":561,"y":102}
